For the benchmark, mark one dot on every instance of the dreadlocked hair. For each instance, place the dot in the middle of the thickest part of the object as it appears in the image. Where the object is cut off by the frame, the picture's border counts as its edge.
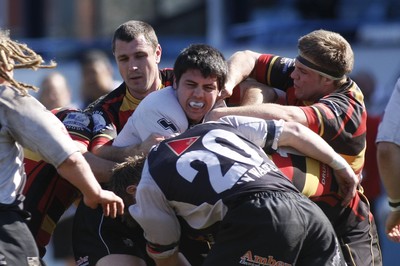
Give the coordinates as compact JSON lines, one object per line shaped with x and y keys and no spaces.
{"x":15,"y":55}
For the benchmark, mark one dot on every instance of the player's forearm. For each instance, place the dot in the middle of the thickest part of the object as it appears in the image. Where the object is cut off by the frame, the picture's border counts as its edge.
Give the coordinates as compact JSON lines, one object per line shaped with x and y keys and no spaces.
{"x":267,"y":111}
{"x":101,"y":168}
{"x":310,"y":144}
{"x":256,"y":93}
{"x":77,"y":171}
{"x":388,"y":157}
{"x":114,"y":153}
{"x":240,"y":66}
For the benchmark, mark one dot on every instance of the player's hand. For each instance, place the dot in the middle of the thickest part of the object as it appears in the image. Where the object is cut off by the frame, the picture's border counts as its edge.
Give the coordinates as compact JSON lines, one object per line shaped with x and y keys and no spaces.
{"x":111,"y":203}
{"x":226,"y":91}
{"x":215,"y":114}
{"x":151,"y":140}
{"x":348,"y":182}
{"x":393,"y":226}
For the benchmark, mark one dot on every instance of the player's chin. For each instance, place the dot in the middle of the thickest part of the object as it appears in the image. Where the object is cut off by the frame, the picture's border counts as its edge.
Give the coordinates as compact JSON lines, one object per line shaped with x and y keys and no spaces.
{"x":136,"y":84}
{"x":195,"y":118}
{"x":300,"y":96}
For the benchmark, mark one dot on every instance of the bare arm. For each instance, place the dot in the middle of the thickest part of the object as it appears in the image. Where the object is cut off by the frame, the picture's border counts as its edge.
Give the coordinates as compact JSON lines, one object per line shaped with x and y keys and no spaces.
{"x":265,"y":111}
{"x":101,"y":168}
{"x":119,"y":154}
{"x":77,"y":171}
{"x":255,"y":92}
{"x":240,"y":66}
{"x":388,"y":156}
{"x":310,"y":144}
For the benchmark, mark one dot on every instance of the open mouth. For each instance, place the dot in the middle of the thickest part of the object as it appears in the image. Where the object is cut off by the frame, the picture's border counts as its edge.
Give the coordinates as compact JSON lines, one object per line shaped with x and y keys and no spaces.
{"x":196,"y":104}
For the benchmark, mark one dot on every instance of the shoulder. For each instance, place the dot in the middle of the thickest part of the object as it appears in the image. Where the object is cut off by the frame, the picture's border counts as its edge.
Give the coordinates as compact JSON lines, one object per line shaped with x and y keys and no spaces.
{"x":166,"y":94}
{"x":10,"y":95}
{"x":167,"y":76}
{"x":160,"y":112}
{"x":111,"y":98}
{"x":163,"y":100}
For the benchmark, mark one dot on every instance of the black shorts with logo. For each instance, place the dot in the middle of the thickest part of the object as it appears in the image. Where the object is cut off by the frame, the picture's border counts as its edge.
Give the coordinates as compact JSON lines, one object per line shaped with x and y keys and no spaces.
{"x":95,"y":236}
{"x":275,"y":228}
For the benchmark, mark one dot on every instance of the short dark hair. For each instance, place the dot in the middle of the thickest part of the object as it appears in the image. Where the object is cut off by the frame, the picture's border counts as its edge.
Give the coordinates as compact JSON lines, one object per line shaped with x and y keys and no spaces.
{"x":132,"y":29}
{"x":125,"y":174}
{"x":205,"y":58}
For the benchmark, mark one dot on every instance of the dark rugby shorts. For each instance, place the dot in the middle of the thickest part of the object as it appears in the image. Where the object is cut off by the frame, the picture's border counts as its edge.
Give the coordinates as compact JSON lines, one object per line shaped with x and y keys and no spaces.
{"x":95,"y":236}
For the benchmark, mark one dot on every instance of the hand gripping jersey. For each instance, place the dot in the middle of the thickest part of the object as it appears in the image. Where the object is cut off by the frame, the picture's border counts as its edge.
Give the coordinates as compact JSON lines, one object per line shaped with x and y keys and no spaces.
{"x":47,"y":194}
{"x":160,"y":113}
{"x":196,"y":173}
{"x":111,"y":112}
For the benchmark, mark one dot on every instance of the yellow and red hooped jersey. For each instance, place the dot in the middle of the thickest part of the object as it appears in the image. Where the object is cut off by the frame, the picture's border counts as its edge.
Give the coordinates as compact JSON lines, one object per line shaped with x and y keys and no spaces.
{"x":339,"y":117}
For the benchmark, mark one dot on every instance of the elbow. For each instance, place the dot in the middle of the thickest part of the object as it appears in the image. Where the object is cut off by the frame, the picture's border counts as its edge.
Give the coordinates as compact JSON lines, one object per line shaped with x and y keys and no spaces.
{"x":296,"y":129}
{"x":292,"y":132}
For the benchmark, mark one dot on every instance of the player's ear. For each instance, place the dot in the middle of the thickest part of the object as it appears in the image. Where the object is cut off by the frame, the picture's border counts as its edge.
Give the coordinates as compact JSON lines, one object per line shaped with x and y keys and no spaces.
{"x":327,"y":81}
{"x":131,"y":189}
{"x":158,"y":54}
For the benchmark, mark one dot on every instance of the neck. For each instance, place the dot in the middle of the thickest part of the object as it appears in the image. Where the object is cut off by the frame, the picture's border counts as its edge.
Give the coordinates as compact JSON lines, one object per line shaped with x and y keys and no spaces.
{"x":140,"y":95}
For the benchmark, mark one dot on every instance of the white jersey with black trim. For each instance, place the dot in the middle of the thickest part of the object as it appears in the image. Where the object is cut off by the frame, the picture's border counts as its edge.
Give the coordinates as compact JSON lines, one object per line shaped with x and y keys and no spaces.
{"x":159,"y":113}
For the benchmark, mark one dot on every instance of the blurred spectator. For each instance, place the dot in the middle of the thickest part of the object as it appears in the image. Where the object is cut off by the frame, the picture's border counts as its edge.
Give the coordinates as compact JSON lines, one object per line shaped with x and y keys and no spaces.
{"x":371,"y":183}
{"x":54,"y":91}
{"x":97,"y":76}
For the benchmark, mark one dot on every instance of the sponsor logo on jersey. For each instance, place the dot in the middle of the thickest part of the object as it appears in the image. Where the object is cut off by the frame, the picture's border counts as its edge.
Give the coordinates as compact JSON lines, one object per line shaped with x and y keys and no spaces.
{"x":33,"y":261}
{"x":166,"y":124}
{"x":288,"y":64}
{"x":337,"y":111}
{"x":99,"y":122}
{"x":76,"y":120}
{"x":251,"y":259}
{"x":83,"y":261}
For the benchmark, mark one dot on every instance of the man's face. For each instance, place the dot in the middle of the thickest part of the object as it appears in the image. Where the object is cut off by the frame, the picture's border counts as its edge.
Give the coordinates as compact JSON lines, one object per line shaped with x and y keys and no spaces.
{"x":138,"y":65}
{"x":308,"y":84}
{"x":196,"y":94}
{"x":55,"y":93}
{"x":97,"y":80}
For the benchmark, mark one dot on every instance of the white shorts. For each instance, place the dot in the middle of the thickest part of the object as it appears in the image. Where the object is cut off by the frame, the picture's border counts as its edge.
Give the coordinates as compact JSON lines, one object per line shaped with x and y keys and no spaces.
{"x":389,"y":128}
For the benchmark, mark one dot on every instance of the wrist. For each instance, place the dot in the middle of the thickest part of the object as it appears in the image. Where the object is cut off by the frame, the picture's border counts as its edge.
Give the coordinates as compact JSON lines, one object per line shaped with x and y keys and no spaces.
{"x":338,"y":163}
